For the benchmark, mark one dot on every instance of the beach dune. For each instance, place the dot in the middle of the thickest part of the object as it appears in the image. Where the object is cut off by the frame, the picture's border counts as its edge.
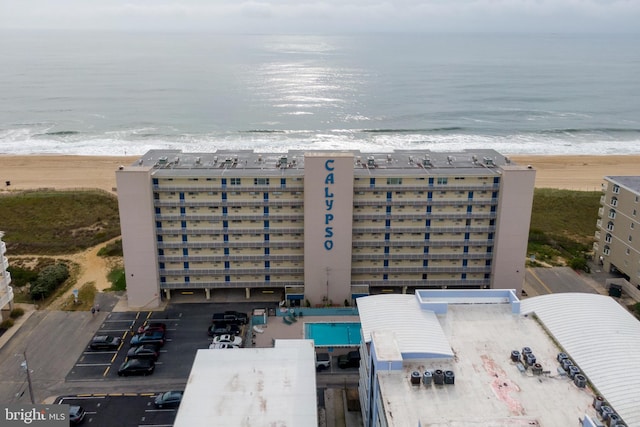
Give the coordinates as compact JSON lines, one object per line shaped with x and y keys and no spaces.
{"x":583,"y":173}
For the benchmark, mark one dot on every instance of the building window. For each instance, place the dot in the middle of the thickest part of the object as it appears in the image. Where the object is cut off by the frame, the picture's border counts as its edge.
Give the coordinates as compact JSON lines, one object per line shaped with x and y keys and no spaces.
{"x":235,"y":181}
{"x":394,"y":181}
{"x":260,"y":181}
{"x":616,"y":189}
{"x":612,"y":213}
{"x":442,"y":180}
{"x":630,"y":238}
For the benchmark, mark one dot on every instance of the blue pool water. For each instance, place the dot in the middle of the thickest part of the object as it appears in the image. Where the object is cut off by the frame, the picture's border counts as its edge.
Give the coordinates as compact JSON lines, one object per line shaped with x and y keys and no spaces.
{"x":333,"y":334}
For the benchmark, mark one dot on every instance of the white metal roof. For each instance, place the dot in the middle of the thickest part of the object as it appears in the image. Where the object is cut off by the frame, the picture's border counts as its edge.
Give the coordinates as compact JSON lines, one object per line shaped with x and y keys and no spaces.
{"x":602,"y":338}
{"x":417,"y":331}
{"x":252,"y":387}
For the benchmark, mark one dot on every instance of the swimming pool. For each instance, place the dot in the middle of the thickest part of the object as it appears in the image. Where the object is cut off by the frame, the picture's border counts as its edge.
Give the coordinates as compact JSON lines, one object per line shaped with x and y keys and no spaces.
{"x":333,"y":334}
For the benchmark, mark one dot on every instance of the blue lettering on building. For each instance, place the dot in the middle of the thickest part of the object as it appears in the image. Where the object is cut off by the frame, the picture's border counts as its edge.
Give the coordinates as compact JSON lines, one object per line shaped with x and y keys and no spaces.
{"x":329,"y":182}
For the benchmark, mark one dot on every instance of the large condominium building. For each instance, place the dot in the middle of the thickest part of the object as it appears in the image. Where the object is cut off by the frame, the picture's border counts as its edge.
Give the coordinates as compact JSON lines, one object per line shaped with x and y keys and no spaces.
{"x":617,"y":244}
{"x":322,"y":226}
{"x":6,"y":292}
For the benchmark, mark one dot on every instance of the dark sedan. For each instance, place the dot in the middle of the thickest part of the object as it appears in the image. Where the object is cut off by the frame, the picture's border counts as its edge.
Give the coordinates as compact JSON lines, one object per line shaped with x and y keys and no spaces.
{"x":151,"y":337}
{"x":222,"y":329}
{"x":146,"y":351}
{"x":105,"y":342}
{"x":137,"y":367}
{"x":169,"y":399}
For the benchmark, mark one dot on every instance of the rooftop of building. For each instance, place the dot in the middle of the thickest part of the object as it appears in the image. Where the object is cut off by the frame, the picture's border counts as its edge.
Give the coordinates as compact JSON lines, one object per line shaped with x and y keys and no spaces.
{"x":632,"y":183}
{"x":252,"y":387}
{"x":249,"y":162}
{"x":493,"y":390}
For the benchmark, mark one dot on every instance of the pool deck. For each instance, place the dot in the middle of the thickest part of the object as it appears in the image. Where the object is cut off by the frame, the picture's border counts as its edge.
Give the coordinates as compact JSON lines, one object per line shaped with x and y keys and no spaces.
{"x":276,"y":328}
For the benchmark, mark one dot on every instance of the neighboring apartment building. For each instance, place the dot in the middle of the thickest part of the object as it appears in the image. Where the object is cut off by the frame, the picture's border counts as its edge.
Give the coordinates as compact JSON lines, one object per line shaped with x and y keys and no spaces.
{"x":617,"y":245}
{"x":322,"y":226}
{"x":484,"y":358}
{"x":6,"y":292}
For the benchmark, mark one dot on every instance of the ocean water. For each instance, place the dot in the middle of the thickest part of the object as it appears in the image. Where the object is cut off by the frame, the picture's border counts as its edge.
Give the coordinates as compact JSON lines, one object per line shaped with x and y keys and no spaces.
{"x":98,"y":93}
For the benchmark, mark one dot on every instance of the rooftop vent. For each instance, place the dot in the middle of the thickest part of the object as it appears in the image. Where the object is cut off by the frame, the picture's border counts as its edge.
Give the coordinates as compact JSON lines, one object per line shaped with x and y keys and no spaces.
{"x":215,"y":159}
{"x":449,"y":159}
{"x":162,"y":160}
{"x":427,"y":377}
{"x":426,"y":162}
{"x":488,"y":161}
{"x":198,"y":160}
{"x":371,"y":161}
{"x":259,"y":158}
{"x":415,"y":378}
{"x":389,"y":159}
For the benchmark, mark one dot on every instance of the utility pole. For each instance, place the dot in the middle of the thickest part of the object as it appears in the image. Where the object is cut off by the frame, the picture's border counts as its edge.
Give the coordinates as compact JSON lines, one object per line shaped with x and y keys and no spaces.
{"x":26,"y":368}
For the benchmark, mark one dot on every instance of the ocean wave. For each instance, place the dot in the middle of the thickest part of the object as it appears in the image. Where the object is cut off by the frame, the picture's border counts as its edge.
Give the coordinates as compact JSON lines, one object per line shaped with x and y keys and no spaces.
{"x":136,"y":141}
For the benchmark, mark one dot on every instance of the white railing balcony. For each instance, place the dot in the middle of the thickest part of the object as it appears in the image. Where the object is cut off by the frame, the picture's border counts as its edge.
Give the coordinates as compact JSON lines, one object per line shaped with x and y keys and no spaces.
{"x":5,"y":263}
{"x":6,"y":297}
{"x":602,"y":199}
{"x":3,"y":248}
{"x":599,"y":223}
{"x":600,"y":211}
{"x":5,"y":279}
{"x":597,"y":235}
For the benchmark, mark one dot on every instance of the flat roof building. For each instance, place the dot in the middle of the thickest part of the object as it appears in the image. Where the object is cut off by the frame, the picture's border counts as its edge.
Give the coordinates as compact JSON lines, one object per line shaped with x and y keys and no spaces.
{"x":252,"y":387}
{"x":617,"y":245}
{"x":322,"y":227}
{"x":484,"y":358}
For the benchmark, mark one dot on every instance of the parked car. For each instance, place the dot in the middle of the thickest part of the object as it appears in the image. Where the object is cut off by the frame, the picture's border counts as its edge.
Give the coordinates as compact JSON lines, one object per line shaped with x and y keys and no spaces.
{"x":234,"y":317}
{"x":323,"y":361}
{"x":153,"y":326}
{"x":222,"y":329}
{"x":145,"y":351}
{"x":349,"y":360}
{"x":231,"y":339}
{"x":240,"y":316}
{"x":137,"y":367}
{"x":105,"y":342}
{"x":222,"y":345}
{"x":151,"y":337}
{"x":76,"y":415}
{"x":168,"y":399}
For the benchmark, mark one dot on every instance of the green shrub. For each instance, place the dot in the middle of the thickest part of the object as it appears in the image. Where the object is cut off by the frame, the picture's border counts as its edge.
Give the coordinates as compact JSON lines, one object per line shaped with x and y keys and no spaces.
{"x":117,"y":279}
{"x":48,"y":280}
{"x":112,"y":249}
{"x":21,"y":276}
{"x":579,"y":263}
{"x":6,"y":324}
{"x":16,"y":312}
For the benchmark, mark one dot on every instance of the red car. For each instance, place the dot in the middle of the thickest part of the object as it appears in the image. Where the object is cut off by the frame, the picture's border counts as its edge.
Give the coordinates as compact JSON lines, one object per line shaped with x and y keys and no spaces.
{"x":152,"y":326}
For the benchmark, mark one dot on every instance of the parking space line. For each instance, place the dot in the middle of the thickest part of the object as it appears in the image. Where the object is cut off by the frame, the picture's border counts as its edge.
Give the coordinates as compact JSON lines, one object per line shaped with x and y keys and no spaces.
{"x":93,"y":364}
{"x":160,"y":410}
{"x":99,"y":352}
{"x":113,"y":359}
{"x":149,"y":314}
{"x":106,"y":371}
{"x":155,"y":425}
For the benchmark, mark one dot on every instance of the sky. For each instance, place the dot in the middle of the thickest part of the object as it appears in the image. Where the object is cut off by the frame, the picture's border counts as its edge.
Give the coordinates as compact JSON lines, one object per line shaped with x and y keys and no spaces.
{"x":325,"y":16}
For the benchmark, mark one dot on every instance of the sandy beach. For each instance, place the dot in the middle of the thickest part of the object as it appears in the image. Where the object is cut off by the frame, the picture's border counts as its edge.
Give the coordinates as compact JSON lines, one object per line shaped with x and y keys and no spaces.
{"x":583,"y":173}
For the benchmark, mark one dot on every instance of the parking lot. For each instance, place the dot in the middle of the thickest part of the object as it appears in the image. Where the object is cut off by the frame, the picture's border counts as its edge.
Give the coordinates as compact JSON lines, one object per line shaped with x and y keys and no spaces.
{"x":124,"y":410}
{"x":186,"y":333}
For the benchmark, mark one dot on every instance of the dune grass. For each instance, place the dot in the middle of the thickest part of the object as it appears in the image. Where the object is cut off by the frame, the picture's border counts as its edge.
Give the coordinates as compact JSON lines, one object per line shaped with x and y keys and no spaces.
{"x":57,"y":222}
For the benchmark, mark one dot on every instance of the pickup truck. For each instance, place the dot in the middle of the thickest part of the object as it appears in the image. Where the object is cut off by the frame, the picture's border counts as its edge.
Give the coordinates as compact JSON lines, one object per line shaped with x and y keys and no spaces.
{"x":323,"y":361}
{"x":349,"y":360}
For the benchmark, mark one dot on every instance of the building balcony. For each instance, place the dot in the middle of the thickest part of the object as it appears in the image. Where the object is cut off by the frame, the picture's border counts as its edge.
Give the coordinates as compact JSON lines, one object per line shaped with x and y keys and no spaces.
{"x":229,"y":217}
{"x":230,"y":230}
{"x":230,"y":203}
{"x":230,"y":271}
{"x":420,"y":243}
{"x":3,"y":248}
{"x":600,"y":212}
{"x":231,"y":258}
{"x":5,"y":263}
{"x":6,"y":296}
{"x":5,"y":279}
{"x":597,"y":235}
{"x":454,"y":256}
{"x":382,"y":200}
{"x":211,"y":187}
{"x":419,"y":269}
{"x":427,"y":187}
{"x":444,"y":283}
{"x":230,"y":244}
{"x":232,"y":285}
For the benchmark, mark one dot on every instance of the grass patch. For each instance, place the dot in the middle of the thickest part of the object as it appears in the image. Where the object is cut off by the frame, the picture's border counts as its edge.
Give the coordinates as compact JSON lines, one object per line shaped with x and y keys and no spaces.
{"x":111,"y":249}
{"x":86,"y":297}
{"x":117,"y":279}
{"x":57,"y":222}
{"x":563,"y":224}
